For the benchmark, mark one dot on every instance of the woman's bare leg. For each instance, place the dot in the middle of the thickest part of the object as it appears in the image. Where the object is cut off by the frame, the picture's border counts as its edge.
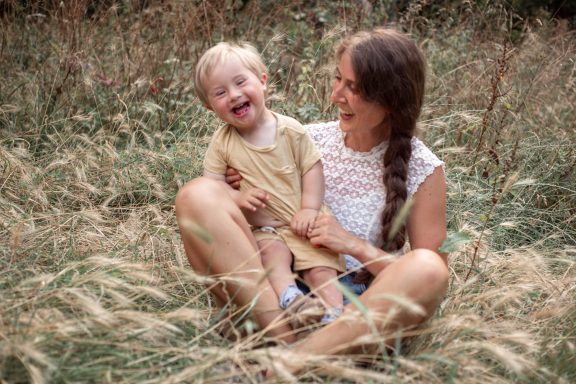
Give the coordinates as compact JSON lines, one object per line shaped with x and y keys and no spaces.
{"x":420,"y":276}
{"x":231,"y":252}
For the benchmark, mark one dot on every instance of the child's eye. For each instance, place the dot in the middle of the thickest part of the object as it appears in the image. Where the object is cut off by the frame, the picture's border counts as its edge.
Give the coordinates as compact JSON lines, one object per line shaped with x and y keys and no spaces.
{"x":218,"y":93}
{"x":241,"y":81}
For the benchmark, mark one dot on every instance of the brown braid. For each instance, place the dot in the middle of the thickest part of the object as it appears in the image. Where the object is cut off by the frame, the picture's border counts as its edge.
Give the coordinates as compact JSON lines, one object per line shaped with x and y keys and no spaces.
{"x":391,"y":71}
{"x":396,"y":172}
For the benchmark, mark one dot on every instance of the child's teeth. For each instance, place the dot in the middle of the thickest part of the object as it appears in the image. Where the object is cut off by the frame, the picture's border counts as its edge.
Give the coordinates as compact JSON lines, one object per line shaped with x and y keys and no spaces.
{"x":240,"y":109}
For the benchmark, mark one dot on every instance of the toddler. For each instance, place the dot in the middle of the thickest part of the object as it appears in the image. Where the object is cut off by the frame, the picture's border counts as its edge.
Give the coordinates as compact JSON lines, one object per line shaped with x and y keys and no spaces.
{"x":282,"y":187}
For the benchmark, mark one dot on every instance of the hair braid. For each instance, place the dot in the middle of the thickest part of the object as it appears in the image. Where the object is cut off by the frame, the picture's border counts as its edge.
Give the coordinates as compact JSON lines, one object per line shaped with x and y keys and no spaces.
{"x":395,"y":175}
{"x":391,"y":71}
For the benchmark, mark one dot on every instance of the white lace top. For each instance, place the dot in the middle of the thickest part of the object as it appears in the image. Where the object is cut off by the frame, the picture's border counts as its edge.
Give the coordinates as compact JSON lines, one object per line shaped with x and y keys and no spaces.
{"x":354,"y":190}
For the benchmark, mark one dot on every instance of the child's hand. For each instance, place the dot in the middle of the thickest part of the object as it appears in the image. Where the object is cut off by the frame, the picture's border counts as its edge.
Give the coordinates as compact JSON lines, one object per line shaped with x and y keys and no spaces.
{"x":252,"y":199}
{"x":303,"y":220}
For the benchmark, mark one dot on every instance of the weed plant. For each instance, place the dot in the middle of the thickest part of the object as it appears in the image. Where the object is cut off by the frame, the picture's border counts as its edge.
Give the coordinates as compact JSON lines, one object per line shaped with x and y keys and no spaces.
{"x":99,"y":127}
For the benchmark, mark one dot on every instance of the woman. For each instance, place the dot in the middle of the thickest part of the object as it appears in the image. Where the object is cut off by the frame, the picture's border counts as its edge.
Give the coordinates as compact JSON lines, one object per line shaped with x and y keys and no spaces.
{"x":373,"y":165}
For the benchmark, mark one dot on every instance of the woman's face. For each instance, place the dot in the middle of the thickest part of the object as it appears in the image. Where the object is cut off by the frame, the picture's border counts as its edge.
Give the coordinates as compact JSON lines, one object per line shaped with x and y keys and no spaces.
{"x":356,"y":114}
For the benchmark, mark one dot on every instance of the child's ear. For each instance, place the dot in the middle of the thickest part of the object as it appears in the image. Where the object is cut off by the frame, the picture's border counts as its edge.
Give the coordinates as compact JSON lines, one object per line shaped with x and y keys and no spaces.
{"x":264,"y":79}
{"x":208,"y":107}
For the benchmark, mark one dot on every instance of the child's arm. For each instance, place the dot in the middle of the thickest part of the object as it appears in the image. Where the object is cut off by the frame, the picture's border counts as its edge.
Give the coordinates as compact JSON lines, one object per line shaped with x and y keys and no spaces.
{"x":250,"y":199}
{"x":312,"y":198}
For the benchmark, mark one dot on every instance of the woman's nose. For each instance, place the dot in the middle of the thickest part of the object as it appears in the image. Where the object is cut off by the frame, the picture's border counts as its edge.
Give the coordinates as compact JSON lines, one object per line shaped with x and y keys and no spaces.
{"x":336,"y":95}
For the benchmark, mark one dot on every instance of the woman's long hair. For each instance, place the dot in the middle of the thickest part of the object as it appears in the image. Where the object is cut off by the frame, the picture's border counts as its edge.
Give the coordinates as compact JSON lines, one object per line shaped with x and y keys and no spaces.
{"x":390,"y":70}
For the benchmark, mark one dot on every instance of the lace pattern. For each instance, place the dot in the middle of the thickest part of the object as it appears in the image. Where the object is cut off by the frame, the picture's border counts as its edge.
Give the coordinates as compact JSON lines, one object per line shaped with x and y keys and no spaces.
{"x":354,"y":190}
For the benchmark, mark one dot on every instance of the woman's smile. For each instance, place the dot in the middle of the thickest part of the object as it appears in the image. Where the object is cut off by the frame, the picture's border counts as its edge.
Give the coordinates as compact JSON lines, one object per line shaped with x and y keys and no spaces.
{"x":357,"y":115}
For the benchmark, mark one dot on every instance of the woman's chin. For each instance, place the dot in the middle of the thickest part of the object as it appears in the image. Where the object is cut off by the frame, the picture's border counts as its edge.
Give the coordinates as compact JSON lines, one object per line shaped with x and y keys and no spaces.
{"x":345,"y":125}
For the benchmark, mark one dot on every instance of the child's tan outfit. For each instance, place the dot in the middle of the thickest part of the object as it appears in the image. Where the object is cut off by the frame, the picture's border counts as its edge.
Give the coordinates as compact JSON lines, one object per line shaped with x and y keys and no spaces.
{"x":278,"y":170}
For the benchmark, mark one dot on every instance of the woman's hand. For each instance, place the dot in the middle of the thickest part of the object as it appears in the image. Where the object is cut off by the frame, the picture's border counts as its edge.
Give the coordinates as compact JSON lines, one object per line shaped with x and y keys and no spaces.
{"x":233,"y":178}
{"x":327,"y":232}
{"x":303,"y":221}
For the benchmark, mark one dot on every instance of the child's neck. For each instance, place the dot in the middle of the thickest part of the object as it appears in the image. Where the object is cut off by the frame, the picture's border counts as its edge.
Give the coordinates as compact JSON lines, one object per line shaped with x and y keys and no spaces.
{"x":264,"y":133}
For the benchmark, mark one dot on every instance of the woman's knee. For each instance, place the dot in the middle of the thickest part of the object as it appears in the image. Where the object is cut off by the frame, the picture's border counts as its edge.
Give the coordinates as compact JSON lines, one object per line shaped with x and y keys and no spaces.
{"x":199,"y":193}
{"x":429,"y":268}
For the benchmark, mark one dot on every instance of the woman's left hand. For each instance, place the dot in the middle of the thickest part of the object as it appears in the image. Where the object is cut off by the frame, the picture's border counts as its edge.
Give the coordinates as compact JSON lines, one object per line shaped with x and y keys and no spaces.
{"x":327,"y":232}
{"x":233,"y":178}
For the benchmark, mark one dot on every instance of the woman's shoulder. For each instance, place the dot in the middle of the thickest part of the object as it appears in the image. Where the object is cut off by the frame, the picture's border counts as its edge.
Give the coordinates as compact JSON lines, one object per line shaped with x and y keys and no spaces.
{"x":318,"y":131}
{"x":318,"y":128}
{"x":422,"y":163}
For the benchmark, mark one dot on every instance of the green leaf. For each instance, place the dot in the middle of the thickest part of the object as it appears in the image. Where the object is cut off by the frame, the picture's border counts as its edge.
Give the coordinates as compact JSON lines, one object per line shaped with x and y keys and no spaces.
{"x":454,"y":241}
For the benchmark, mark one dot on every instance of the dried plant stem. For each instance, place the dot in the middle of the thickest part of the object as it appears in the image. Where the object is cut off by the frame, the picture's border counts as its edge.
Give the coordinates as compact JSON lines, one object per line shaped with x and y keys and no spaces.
{"x":497,"y":77}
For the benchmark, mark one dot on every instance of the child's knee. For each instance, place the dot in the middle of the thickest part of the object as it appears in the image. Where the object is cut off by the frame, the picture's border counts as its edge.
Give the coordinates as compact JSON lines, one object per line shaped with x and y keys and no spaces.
{"x":272,"y":249}
{"x":317,"y":275}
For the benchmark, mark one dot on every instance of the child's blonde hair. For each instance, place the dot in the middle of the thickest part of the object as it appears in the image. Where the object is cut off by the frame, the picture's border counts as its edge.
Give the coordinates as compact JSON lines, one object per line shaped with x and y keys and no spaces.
{"x":245,"y":52}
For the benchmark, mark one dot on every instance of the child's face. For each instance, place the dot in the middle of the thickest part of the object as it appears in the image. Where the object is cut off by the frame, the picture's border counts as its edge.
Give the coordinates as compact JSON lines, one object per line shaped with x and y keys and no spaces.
{"x":236,"y":94}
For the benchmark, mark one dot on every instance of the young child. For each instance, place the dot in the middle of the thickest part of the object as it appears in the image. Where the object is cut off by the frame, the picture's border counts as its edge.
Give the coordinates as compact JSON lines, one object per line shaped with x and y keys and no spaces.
{"x":282,"y":187}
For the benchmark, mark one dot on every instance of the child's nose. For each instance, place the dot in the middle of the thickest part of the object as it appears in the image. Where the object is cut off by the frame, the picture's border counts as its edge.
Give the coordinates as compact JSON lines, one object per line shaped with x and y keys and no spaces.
{"x":235,"y":93}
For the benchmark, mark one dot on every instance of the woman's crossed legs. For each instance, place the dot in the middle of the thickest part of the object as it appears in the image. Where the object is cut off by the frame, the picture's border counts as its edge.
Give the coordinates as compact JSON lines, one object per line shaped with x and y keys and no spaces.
{"x":231,"y":253}
{"x":420,"y":276}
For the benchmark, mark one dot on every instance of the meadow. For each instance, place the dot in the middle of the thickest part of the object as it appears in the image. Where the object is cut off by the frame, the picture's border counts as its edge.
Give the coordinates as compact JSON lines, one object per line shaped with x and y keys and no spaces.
{"x":100,"y":127}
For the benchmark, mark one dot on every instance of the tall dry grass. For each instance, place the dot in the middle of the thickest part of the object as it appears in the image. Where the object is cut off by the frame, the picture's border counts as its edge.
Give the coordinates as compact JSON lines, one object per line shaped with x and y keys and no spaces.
{"x":99,"y":127}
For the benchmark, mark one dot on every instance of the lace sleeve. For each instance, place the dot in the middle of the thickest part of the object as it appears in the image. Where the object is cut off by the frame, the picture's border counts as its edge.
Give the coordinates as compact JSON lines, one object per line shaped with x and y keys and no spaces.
{"x":422,"y":163}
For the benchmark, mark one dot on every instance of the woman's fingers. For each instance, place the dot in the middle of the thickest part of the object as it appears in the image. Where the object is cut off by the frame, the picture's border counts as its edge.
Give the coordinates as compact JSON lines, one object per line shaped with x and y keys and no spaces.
{"x":328,"y":233}
{"x":233,"y":178}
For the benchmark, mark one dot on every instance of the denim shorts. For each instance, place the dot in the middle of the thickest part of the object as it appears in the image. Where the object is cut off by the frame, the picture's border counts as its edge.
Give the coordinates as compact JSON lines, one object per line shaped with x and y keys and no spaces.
{"x":347,"y":281}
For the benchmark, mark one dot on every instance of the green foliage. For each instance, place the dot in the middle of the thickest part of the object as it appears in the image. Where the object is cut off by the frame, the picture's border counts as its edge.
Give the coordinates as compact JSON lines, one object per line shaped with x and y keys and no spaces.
{"x":454,"y":241}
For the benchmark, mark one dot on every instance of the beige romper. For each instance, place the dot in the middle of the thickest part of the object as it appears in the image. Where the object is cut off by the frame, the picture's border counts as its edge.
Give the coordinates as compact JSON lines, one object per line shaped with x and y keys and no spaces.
{"x":278,"y":170}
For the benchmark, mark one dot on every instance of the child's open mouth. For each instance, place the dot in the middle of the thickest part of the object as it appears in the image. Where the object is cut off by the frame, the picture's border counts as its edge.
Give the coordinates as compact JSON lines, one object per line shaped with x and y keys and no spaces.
{"x":241,"y":110}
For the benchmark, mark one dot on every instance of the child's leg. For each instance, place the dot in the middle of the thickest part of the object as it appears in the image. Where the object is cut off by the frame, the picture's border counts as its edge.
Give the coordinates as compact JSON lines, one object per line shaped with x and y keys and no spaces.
{"x":322,"y":281}
{"x":277,"y":261}
{"x":303,"y":311}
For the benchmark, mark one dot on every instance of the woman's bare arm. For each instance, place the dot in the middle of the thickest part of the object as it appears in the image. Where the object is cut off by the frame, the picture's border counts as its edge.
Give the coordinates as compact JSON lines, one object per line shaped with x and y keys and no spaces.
{"x":427,"y":220}
{"x":426,"y":227}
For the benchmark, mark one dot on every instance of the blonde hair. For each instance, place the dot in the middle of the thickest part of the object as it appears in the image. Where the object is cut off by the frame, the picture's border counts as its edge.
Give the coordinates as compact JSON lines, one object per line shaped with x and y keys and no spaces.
{"x":245,"y":52}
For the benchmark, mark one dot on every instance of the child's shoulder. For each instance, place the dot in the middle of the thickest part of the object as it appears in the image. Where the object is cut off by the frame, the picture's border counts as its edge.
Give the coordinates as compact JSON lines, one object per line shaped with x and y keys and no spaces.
{"x":222,"y":131}
{"x":289,"y":123}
